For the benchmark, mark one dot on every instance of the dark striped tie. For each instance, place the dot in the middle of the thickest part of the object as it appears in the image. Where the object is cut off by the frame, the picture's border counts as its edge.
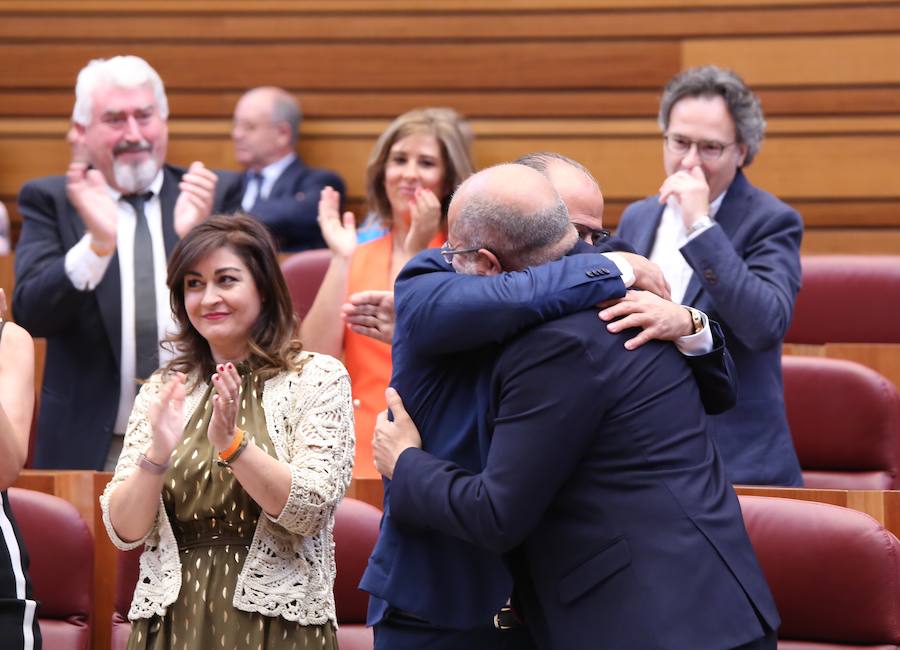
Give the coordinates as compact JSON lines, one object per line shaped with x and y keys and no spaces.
{"x":146,"y":337}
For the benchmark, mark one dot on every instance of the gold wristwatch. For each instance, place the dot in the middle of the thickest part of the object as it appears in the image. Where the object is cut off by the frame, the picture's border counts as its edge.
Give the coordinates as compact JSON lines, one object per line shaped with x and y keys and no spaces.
{"x":696,"y":319}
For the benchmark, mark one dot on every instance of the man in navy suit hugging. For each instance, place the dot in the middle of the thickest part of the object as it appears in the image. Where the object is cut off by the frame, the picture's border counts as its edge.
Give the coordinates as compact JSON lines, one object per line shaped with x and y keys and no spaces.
{"x":278,"y":188}
{"x":601,"y":484}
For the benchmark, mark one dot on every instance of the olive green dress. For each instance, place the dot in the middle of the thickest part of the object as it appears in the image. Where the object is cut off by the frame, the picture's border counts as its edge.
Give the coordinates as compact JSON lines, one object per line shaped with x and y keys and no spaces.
{"x":214,"y":519}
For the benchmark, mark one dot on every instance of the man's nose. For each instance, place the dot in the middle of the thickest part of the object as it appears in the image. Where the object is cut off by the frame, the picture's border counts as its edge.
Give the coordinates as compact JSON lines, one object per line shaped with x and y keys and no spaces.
{"x":133,"y":130}
{"x":692,"y":158}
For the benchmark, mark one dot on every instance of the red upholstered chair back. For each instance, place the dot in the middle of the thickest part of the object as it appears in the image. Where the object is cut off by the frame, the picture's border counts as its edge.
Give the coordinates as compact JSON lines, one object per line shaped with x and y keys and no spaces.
{"x":304,"y":272}
{"x":61,"y":552}
{"x":847,"y":299}
{"x":834,"y":573}
{"x":127,"y":569}
{"x":355,"y":531}
{"x":845,"y":422}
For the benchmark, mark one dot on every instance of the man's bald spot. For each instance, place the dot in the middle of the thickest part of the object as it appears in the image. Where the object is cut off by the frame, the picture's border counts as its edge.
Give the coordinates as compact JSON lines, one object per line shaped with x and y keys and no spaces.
{"x":509,"y":184}
{"x":579,"y":191}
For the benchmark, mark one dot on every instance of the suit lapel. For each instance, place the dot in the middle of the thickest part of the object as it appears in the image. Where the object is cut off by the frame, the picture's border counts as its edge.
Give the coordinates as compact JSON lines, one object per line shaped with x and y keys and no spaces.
{"x":728,"y":217}
{"x":644,"y":237}
{"x":167,"y":197}
{"x":286,"y":180}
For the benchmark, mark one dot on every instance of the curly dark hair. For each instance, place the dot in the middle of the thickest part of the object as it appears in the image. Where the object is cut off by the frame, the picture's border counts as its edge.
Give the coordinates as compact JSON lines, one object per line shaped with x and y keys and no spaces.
{"x":709,"y":81}
{"x":273,"y":340}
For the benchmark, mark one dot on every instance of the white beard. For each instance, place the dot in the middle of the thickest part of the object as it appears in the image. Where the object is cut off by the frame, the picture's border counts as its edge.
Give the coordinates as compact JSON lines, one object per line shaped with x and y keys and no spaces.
{"x":133,"y":178}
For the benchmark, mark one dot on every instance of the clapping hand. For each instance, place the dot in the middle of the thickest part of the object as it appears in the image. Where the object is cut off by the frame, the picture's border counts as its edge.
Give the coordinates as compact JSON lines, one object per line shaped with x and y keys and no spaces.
{"x":167,"y":419}
{"x":89,"y":193}
{"x":339,"y":232}
{"x":425,"y":220}
{"x":222,"y":424}
{"x":195,"y":202}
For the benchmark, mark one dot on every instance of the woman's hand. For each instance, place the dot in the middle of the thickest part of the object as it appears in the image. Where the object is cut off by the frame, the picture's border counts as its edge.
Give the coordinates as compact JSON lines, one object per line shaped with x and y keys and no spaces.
{"x":167,"y":420}
{"x":372,"y":314}
{"x":339,"y":233}
{"x":425,"y":221}
{"x":225,"y":406}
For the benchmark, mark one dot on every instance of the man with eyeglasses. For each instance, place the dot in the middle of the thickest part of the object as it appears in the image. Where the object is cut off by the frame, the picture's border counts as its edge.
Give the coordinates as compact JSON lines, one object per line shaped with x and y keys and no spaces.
{"x":598,"y":483}
{"x":731,"y":250}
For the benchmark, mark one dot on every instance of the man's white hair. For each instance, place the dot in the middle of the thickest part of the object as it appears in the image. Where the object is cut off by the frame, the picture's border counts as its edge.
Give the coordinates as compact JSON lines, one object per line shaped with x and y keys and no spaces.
{"x":118,"y":72}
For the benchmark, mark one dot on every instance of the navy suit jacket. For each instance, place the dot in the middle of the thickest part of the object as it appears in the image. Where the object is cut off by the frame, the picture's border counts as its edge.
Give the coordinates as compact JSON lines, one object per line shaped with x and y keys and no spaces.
{"x":292,"y":207}
{"x":447,"y":332}
{"x":80,"y":393}
{"x":442,"y":378}
{"x":605,"y":490}
{"x":746,"y":276}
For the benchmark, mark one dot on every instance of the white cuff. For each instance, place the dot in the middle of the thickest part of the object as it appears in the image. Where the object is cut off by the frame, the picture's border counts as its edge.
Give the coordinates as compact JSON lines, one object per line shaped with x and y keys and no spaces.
{"x":701,"y":225}
{"x":625,"y":267}
{"x":695,"y":345}
{"x":84,"y":267}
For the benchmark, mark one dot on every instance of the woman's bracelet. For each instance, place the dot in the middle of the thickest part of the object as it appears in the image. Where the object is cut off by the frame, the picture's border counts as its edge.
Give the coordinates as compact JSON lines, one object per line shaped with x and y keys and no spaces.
{"x":235,"y":449}
{"x":154,"y":468}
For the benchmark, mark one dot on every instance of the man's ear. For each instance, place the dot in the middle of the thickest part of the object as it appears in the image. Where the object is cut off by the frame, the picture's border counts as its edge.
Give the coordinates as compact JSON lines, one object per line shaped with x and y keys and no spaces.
{"x":742,"y":150}
{"x":486,"y":263}
{"x":284,"y":134}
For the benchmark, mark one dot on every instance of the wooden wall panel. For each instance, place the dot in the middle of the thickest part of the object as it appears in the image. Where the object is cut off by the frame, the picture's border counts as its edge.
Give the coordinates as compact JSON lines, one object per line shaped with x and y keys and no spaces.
{"x":578,"y":76}
{"x":803,"y":61}
{"x":364,"y":65}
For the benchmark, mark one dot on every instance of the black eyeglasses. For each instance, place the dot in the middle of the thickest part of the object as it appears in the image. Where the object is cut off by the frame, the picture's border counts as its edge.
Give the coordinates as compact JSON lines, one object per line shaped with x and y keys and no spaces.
{"x":591,"y":235}
{"x":447,"y":253}
{"x":708,"y":150}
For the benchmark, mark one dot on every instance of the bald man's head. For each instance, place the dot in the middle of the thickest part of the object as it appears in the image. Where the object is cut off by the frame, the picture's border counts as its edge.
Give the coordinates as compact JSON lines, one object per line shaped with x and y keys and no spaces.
{"x":577,"y":188}
{"x":513,"y":211}
{"x":266,"y":123}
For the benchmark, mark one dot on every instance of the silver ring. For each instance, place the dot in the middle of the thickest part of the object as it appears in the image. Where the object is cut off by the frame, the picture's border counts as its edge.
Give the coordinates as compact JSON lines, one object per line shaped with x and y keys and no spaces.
{"x":231,"y":401}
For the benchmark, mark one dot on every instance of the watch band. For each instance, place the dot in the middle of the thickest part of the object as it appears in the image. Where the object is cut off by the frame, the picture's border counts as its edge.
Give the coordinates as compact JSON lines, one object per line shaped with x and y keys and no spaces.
{"x":702,"y":223}
{"x":696,"y":320}
{"x":149,"y":466}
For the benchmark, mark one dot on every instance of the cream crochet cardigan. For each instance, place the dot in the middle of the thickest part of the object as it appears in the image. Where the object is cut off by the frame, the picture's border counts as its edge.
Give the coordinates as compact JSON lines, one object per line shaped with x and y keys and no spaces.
{"x":289,"y":569}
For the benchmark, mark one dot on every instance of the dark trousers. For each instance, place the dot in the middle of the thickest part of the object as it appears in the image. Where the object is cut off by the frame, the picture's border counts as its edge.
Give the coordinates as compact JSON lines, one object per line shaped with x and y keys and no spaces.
{"x":395,"y":634}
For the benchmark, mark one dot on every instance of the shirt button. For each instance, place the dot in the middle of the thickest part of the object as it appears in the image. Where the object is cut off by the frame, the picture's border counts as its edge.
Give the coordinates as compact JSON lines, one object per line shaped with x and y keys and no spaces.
{"x":356,"y":403}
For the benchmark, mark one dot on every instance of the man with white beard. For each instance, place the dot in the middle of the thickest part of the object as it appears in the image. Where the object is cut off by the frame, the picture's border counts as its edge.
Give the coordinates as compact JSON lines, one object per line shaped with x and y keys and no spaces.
{"x":91,"y":260}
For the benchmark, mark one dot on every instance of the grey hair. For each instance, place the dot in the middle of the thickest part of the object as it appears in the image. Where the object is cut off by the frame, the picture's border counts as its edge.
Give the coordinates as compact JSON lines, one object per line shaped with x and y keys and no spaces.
{"x":710,"y":81}
{"x":518,"y":237}
{"x":541,"y":160}
{"x":285,"y":108}
{"x":119,"y":72}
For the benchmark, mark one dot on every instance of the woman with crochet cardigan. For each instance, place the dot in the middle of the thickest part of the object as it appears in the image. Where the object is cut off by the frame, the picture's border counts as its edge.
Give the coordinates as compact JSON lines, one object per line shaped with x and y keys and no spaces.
{"x":236,"y":455}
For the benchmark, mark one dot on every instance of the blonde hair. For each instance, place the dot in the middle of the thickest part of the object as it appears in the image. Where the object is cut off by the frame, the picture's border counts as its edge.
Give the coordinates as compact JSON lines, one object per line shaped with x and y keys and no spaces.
{"x":454,"y":135}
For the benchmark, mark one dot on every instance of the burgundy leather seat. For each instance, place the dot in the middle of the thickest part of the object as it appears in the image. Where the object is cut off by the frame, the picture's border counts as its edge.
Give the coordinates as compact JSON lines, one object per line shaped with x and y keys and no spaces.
{"x":61,"y":551}
{"x":834,"y":573}
{"x":355,"y":531}
{"x":303,"y":272}
{"x":847,"y":299}
{"x":356,"y":526}
{"x":127,"y":568}
{"x":845,"y":422}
